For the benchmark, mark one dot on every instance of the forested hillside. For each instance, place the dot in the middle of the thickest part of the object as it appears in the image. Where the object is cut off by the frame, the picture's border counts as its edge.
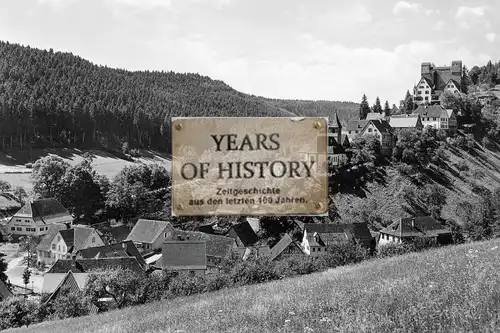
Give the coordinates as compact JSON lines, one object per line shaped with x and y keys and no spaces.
{"x":49,"y":98}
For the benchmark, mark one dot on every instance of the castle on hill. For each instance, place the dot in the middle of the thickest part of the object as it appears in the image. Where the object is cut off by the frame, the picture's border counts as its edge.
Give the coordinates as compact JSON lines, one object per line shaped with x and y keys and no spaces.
{"x":435,"y":80}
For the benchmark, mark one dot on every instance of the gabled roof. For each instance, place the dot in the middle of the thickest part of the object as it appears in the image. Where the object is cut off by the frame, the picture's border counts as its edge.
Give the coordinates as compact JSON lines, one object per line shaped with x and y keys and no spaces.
{"x":177,"y":255}
{"x":335,"y":123}
{"x":76,"y":237}
{"x":74,"y":281}
{"x":284,"y":242}
{"x":86,"y":265}
{"x":4,"y":291}
{"x":356,"y":125}
{"x":123,"y":249}
{"x":49,"y":236}
{"x":429,"y":82}
{"x":421,"y":226}
{"x":46,"y":211}
{"x":147,"y":231}
{"x":432,"y":111}
{"x":381,"y":125}
{"x":334,"y":232}
{"x":404,"y":121}
{"x":454,"y":83}
{"x":375,"y":116}
{"x":217,"y":245}
{"x":245,"y":233}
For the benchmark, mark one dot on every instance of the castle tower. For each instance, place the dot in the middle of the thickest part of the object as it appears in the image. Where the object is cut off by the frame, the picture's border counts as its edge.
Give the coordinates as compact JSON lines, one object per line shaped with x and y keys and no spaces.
{"x":336,"y":129}
{"x":456,"y":72}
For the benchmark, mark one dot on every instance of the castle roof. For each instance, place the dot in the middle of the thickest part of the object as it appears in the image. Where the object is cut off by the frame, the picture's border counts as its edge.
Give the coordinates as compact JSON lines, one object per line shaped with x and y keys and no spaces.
{"x":404,"y":121}
{"x":432,"y":111}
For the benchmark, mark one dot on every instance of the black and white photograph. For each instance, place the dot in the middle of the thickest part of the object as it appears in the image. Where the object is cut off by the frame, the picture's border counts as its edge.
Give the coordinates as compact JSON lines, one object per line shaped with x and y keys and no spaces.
{"x":281,"y":166}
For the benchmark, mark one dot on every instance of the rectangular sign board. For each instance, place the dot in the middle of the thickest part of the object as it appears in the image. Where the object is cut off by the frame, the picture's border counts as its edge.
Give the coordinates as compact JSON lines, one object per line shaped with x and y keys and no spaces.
{"x":250,"y":166}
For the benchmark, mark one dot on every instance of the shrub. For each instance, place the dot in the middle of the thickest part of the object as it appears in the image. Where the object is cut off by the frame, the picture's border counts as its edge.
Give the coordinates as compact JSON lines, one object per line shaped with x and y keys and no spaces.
{"x":393,"y":249}
{"x":69,"y":304}
{"x":125,"y":148}
{"x":17,"y":312}
{"x":345,"y":253}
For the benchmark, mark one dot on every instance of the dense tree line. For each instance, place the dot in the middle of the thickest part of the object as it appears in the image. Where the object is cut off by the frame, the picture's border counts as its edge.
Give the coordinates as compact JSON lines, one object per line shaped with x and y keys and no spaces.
{"x":52,"y":98}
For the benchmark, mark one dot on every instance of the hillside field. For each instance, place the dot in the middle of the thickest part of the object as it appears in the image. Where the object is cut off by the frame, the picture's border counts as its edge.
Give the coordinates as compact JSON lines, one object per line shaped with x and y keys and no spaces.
{"x":13,"y":170}
{"x":452,"y":289}
{"x":479,"y":166}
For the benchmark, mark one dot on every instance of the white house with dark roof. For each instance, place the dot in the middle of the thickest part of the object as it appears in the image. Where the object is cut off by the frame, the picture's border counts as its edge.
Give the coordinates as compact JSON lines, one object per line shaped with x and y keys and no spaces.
{"x":63,"y":243}
{"x":354,"y":127}
{"x":35,"y":217}
{"x":150,"y":234}
{"x":406,"y":229}
{"x":383,"y":132}
{"x":285,"y":247}
{"x":436,"y":116}
{"x":434,"y":80}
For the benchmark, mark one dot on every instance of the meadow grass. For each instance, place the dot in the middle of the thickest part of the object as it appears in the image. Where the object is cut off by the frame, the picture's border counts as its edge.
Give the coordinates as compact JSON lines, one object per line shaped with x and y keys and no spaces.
{"x":452,"y":289}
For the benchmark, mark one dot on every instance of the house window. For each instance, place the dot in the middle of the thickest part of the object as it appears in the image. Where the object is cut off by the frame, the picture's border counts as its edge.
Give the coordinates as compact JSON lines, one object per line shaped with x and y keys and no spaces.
{"x":349,"y":132}
{"x":434,"y":119}
{"x":58,"y":238}
{"x":427,"y":92}
{"x":41,"y":229}
{"x":53,"y":246}
{"x":27,"y":221}
{"x":426,"y":98}
{"x":93,"y":239}
{"x":13,"y":228}
{"x":46,"y":228}
{"x":19,"y":229}
{"x":314,"y":249}
{"x":369,"y":130}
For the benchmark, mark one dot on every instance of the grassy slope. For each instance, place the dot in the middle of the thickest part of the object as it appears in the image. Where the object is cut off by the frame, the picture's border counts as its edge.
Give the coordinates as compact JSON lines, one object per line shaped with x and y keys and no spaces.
{"x":456,"y":186}
{"x":104,"y":162}
{"x":453,"y":289}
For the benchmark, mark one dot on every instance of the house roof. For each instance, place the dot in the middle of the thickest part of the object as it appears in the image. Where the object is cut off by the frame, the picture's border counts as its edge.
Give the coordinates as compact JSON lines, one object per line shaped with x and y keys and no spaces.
{"x":335,"y":123}
{"x":71,"y":280}
{"x":284,"y":242}
{"x":356,"y":125}
{"x":46,"y":211}
{"x":115,"y":234}
{"x":51,"y":281}
{"x":4,"y":291}
{"x":375,"y":116}
{"x":334,"y":232}
{"x":429,"y":82}
{"x":433,"y":111}
{"x":381,"y":125}
{"x":449,"y":112}
{"x":86,"y":265}
{"x":245,"y":233}
{"x":123,"y":249}
{"x":184,"y":255}
{"x":217,"y":245}
{"x":75,"y":237}
{"x":422,"y":226}
{"x":457,"y":85}
{"x":9,"y":201}
{"x":54,"y":229}
{"x":404,"y":121}
{"x":147,"y":231}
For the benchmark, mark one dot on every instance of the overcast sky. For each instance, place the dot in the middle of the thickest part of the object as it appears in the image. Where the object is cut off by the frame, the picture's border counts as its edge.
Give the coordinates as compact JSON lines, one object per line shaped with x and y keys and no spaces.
{"x":325,"y":49}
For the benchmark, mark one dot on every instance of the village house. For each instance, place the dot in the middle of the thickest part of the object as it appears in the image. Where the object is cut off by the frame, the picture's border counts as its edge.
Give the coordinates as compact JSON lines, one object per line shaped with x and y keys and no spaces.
{"x":254,"y":252}
{"x":35,"y":217}
{"x":67,"y":242}
{"x":407,"y":229}
{"x":56,"y":273}
{"x":317,"y":236}
{"x":184,"y":256}
{"x":354,"y":127}
{"x":285,"y":247}
{"x":406,"y":122}
{"x":218,"y":247}
{"x":438,"y":117}
{"x":150,"y":234}
{"x":337,"y":143}
{"x":44,"y":248}
{"x":5,"y":292}
{"x":122,"y":249}
{"x":383,"y":132}
{"x":435,"y":80}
